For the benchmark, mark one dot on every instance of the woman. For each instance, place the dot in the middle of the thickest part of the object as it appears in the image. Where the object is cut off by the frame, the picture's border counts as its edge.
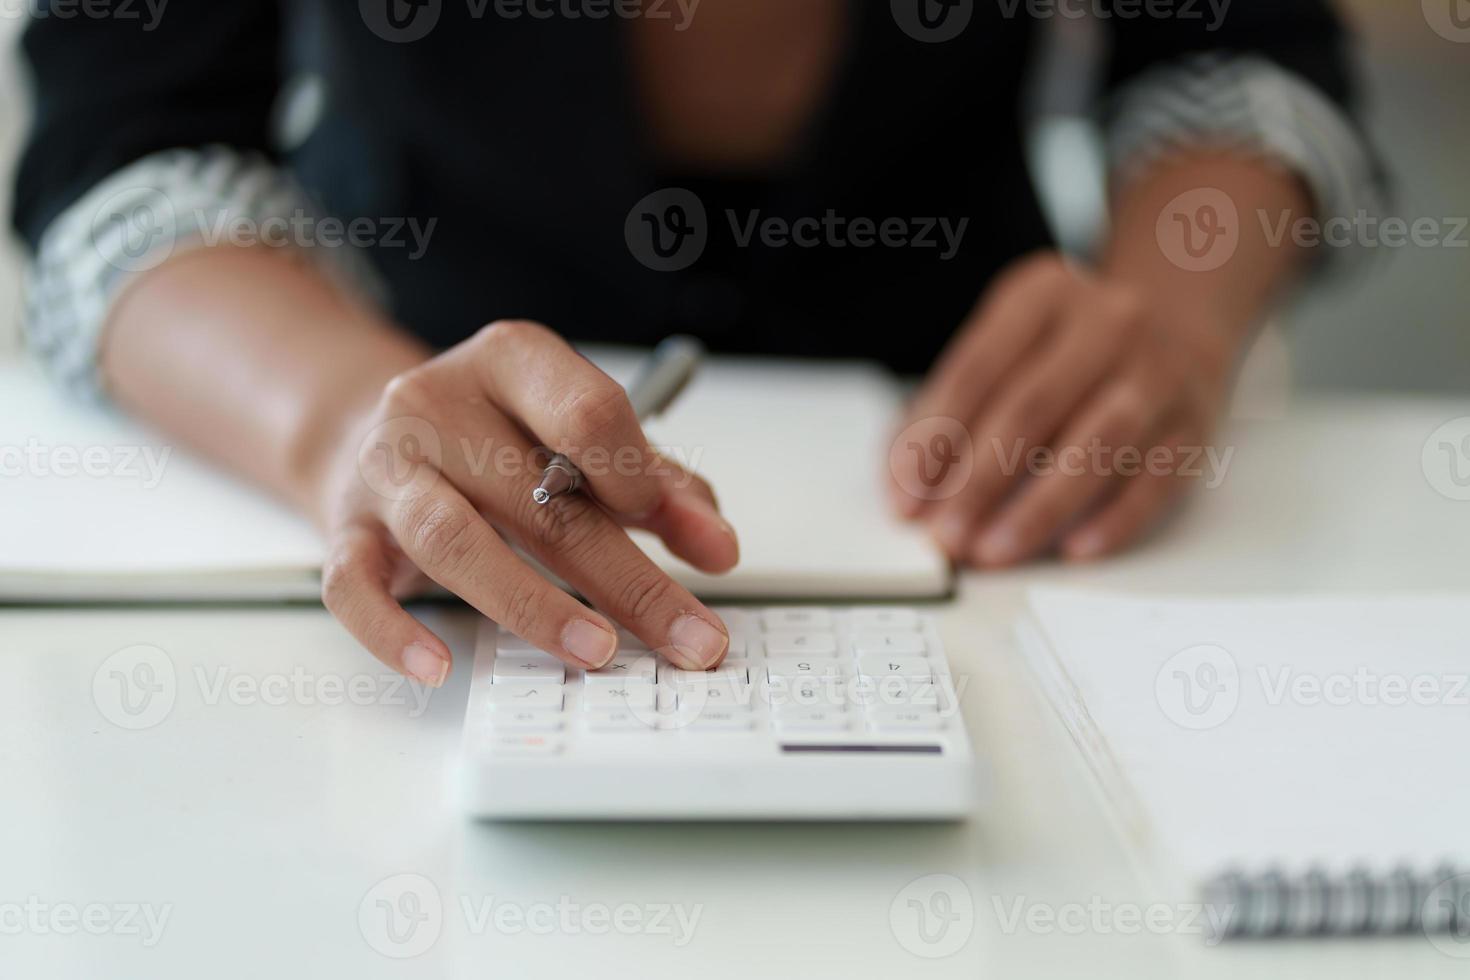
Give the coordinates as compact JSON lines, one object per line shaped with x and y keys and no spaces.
{"x":759,"y":172}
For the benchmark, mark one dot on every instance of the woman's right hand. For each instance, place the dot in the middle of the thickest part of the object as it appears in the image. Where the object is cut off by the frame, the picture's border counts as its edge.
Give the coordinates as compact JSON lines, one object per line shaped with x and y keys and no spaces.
{"x":444,"y":466}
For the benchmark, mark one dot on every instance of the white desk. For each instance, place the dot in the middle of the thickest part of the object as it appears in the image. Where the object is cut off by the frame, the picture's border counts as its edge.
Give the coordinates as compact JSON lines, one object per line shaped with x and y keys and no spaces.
{"x":264,"y":827}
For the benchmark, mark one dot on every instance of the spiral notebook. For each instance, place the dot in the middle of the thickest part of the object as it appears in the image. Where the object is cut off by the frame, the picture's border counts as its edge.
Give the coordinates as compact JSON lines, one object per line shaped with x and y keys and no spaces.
{"x":1300,"y":764}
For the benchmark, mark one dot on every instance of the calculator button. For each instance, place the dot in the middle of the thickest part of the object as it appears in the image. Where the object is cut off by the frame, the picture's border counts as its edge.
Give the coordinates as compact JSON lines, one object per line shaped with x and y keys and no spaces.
{"x":904,"y":720}
{"x":888,"y":642}
{"x":727,"y":671}
{"x":884,"y":618}
{"x":508,"y":745}
{"x":811,"y":719}
{"x":528,"y":667}
{"x":727,"y":694}
{"x":618,"y":720}
{"x":634,"y":696}
{"x":787,"y":644}
{"x":796,"y":618}
{"x":516,"y":697}
{"x":880,"y":665}
{"x":720,"y":720}
{"x":789,"y":667}
{"x":525,"y":721}
{"x":508,"y":642}
{"x":806,"y":692}
{"x":631,"y":668}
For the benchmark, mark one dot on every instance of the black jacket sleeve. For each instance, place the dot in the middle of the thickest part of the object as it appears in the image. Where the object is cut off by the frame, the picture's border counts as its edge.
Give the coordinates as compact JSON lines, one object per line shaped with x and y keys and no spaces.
{"x":108,"y":91}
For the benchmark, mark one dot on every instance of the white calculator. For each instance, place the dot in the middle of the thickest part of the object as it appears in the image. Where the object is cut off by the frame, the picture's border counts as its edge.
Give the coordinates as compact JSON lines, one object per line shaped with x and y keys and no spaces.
{"x":821,"y":713}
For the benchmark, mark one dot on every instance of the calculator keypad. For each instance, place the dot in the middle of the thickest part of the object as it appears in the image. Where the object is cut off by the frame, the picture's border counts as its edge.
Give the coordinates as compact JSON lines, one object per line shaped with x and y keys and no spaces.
{"x":795,"y":671}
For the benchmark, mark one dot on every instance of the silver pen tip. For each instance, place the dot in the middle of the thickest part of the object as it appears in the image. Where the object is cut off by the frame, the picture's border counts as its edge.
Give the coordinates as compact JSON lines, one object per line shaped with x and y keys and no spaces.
{"x":541,"y":495}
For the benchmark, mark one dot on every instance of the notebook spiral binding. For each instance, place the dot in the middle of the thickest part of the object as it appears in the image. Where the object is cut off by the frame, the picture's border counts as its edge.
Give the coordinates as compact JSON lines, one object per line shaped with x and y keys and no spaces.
{"x":1360,"y":902}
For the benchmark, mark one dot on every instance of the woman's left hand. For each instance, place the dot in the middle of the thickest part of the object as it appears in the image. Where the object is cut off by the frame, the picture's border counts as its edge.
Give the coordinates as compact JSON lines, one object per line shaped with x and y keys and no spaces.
{"x":1086,"y":406}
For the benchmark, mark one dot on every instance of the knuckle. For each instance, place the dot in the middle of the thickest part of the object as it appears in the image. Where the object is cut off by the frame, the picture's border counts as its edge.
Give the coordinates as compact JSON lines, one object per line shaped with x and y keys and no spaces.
{"x":563,"y":527}
{"x":409,"y":393}
{"x":593,"y":414}
{"x":1121,"y":306}
{"x":337,"y":575}
{"x":509,"y":333}
{"x":441,"y":534}
{"x":643,"y":591}
{"x":519,"y":603}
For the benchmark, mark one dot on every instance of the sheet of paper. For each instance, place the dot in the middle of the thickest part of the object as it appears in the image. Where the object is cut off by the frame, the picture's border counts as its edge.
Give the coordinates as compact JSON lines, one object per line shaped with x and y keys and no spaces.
{"x":1253,"y":732}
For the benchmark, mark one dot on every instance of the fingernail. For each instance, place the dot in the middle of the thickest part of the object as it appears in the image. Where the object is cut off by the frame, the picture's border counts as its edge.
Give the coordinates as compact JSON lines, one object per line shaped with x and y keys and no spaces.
{"x":1000,"y":545}
{"x":589,"y":643}
{"x":425,"y":665}
{"x":698,"y":641}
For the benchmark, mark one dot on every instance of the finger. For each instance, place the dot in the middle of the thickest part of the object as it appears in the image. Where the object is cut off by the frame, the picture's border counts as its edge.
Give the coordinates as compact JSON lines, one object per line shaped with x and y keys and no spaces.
{"x":581,"y":543}
{"x":566,"y":402}
{"x":442,"y":533}
{"x":1028,"y":413}
{"x":1141,"y":502}
{"x":1014,"y":318}
{"x":356,"y":588}
{"x":688,"y":520}
{"x":1084,"y":466}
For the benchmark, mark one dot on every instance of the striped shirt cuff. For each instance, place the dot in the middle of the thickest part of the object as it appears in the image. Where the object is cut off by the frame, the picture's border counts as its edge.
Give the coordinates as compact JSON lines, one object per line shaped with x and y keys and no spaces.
{"x":155,"y":208}
{"x":1249,"y":105}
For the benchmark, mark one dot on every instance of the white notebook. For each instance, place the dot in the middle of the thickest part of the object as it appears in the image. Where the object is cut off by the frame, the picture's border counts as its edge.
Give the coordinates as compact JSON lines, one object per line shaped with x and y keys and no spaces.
{"x":1300,"y":760}
{"x":98,"y":508}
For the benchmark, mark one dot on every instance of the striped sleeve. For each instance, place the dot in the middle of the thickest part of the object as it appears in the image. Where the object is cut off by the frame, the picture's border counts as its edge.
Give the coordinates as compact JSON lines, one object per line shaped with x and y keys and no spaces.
{"x":1246,"y":104}
{"x":157,"y":207}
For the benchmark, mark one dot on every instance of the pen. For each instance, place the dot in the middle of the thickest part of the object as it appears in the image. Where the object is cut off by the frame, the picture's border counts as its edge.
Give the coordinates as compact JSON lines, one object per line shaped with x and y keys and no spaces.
{"x":667,"y":371}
